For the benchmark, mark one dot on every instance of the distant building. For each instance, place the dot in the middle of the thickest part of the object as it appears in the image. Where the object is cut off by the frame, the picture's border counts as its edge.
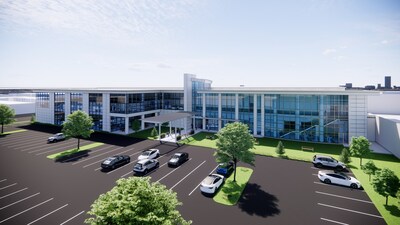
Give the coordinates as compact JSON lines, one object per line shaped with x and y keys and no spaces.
{"x":388,"y":82}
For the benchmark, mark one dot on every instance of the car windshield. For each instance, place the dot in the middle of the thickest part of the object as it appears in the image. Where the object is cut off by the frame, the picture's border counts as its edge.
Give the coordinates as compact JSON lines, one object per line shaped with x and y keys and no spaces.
{"x":138,"y":166}
{"x":109,"y":160}
{"x":146,"y":153}
{"x":176,"y":156}
{"x":344,"y":175}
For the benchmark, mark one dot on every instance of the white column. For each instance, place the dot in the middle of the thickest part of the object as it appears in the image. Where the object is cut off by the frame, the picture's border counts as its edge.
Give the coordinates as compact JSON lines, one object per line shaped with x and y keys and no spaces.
{"x":204,"y":110}
{"x":85,"y":102}
{"x":255,"y":114}
{"x":67,"y":104}
{"x":126,"y":125}
{"x":262,"y":115}
{"x":236,"y":106}
{"x":106,"y":112}
{"x":219,"y":111}
{"x":142,"y":125}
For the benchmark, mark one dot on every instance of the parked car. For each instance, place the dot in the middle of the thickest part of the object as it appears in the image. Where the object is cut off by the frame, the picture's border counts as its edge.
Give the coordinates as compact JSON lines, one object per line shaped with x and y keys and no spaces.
{"x":211,"y":183}
{"x":323,"y":160}
{"x":332,"y":177}
{"x":178,"y":158}
{"x":149,"y":154}
{"x":146,"y":165}
{"x":115,"y":161}
{"x":56,"y":137}
{"x":225,"y":169}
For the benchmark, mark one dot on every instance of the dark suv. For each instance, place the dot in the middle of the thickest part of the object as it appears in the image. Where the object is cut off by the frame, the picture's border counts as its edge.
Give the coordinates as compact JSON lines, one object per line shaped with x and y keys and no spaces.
{"x":225,"y":169}
{"x":178,"y":158}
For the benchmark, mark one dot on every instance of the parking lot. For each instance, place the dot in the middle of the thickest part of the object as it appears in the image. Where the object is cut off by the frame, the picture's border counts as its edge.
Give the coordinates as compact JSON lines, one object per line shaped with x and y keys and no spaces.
{"x":36,"y":190}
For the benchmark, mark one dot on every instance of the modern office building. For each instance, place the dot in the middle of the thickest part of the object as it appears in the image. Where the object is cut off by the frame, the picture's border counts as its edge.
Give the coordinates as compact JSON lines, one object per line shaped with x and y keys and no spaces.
{"x":328,"y":115}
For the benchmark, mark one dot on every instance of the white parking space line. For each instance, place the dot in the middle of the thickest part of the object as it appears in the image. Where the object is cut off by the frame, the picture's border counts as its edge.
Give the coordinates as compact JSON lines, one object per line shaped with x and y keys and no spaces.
{"x":71,"y":218}
{"x":26,"y":210}
{"x":130,"y":172}
{"x":200,"y":182}
{"x":19,"y":201}
{"x":320,"y":183}
{"x":47,"y":214}
{"x":3,"y":180}
{"x":333,"y":221}
{"x":188,"y":174}
{"x":97,"y":150}
{"x":84,"y":160}
{"x":129,"y":163}
{"x":314,"y":174}
{"x":105,"y":159}
{"x":350,"y":210}
{"x":15,"y":192}
{"x":63,"y":145}
{"x":18,"y":144}
{"x":163,"y":164}
{"x":170,"y":172}
{"x":8,"y":186}
{"x":339,"y":196}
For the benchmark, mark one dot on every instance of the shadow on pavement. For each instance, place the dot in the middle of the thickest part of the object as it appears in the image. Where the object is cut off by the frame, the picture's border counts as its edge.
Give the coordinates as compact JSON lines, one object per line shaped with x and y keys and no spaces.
{"x":255,"y":201}
{"x":73,"y":157}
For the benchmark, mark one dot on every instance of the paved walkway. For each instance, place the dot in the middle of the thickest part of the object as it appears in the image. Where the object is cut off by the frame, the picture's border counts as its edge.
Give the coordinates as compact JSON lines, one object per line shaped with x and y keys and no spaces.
{"x":377,"y":148}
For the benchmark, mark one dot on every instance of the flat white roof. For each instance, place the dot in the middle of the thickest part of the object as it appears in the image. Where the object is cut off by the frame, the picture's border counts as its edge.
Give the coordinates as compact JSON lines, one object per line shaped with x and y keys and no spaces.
{"x":394,"y":118}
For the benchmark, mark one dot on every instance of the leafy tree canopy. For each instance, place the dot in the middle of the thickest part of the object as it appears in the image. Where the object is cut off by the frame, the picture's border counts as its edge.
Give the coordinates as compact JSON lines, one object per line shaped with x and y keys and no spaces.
{"x":386,"y":183}
{"x":78,"y":124}
{"x":233,"y":143}
{"x":359,"y":147}
{"x":136,"y":201}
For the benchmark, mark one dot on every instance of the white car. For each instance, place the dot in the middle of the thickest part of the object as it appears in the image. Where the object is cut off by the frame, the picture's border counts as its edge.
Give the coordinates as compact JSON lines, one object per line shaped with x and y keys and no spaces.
{"x":56,"y":137}
{"x":149,"y":154}
{"x":211,"y":183}
{"x":323,"y":160}
{"x":329,"y":177}
{"x":146,"y":165}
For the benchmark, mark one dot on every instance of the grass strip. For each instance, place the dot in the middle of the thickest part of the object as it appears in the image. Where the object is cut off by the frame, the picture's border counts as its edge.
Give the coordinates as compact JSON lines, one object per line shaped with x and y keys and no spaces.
{"x":12,"y":132}
{"x":231,"y":191}
{"x":73,"y":151}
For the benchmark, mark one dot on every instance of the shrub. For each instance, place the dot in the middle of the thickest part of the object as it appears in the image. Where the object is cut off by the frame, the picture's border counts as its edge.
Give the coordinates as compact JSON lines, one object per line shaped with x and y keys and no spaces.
{"x":178,"y":137}
{"x":280,"y":149}
{"x":191,"y":132}
{"x":162,"y":135}
{"x":345,"y":156}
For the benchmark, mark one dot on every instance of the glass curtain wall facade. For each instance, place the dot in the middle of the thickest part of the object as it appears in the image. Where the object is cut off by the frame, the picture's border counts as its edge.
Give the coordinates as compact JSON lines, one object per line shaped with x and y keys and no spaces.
{"x":59,"y":108}
{"x":117,"y":124}
{"x":314,"y":118}
{"x":76,"y":102}
{"x":212,"y":112}
{"x":96,"y":110}
{"x":173,"y":101}
{"x":135,"y":103}
{"x":197,"y":102}
{"x":43,"y":100}
{"x":227,"y":108}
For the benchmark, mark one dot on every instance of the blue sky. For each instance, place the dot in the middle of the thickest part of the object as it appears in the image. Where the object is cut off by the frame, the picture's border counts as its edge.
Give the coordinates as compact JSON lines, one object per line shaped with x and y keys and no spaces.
{"x":143,"y":43}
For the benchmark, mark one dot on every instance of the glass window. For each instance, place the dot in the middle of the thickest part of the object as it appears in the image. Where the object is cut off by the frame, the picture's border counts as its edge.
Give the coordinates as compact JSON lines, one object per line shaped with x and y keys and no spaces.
{"x":76,"y":102}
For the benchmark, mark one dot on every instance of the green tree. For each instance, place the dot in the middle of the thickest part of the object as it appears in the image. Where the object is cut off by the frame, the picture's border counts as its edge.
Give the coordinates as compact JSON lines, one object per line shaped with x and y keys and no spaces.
{"x":370,"y":168}
{"x":234,"y":143}
{"x":280,"y":149}
{"x":7,"y":115}
{"x":345,"y":156}
{"x":154,"y":132}
{"x":386,"y":183}
{"x":79,"y":125}
{"x":359,"y":147}
{"x":136,"y":125}
{"x":137,"y":201}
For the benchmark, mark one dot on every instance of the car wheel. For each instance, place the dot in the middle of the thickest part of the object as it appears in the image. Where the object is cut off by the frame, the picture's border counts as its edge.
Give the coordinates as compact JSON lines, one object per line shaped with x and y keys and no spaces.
{"x":354,"y":186}
{"x":327,"y":181}
{"x":157,"y":165}
{"x":339,"y":168}
{"x":55,"y":140}
{"x":145,"y":171}
{"x":319,"y":165}
{"x":112,"y":167}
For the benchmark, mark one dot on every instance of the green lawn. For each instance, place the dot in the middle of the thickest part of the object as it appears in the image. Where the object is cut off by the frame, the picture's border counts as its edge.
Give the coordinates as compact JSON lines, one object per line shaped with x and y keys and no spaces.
{"x":231,"y":191}
{"x":73,"y":151}
{"x":12,"y":132}
{"x":267,"y":146}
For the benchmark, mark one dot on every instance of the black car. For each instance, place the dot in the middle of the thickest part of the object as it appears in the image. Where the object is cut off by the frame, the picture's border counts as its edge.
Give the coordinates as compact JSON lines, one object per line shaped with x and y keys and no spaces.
{"x":178,"y":158}
{"x":115,"y":161}
{"x":225,"y":169}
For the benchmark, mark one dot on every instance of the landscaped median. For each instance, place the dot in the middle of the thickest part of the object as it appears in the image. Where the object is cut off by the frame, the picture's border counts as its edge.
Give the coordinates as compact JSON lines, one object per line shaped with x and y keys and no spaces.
{"x":12,"y":132}
{"x":74,"y":151}
{"x":231,"y":191}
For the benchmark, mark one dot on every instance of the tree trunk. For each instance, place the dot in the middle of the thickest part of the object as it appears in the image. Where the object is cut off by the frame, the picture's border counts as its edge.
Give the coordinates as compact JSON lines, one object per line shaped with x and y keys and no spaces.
{"x":360,"y":161}
{"x":234,"y":175}
{"x":387,"y":199}
{"x":2,"y":125}
{"x":78,"y":142}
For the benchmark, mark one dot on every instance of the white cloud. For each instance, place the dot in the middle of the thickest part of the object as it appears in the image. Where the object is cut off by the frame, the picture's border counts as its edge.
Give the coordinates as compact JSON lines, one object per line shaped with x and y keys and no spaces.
{"x":329,"y":51}
{"x":384,"y":42}
{"x":121,"y":19}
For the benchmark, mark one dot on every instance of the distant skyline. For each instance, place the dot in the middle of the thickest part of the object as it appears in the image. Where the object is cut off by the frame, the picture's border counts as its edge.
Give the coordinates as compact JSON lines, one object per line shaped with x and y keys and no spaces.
{"x":152,"y":43}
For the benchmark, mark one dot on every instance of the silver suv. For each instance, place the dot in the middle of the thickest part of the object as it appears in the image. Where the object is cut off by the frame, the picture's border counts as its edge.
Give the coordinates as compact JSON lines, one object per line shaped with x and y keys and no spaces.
{"x":56,"y":137}
{"x":323,"y":160}
{"x":146,"y":165}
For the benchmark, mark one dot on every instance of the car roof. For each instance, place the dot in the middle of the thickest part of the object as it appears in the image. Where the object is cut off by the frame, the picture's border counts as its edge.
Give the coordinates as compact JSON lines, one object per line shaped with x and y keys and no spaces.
{"x":59,"y":133}
{"x":180,"y":153}
{"x":323,"y":156}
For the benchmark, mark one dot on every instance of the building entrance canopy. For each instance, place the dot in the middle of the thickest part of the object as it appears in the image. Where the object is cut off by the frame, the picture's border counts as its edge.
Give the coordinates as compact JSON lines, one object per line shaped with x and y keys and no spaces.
{"x":167,"y":117}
